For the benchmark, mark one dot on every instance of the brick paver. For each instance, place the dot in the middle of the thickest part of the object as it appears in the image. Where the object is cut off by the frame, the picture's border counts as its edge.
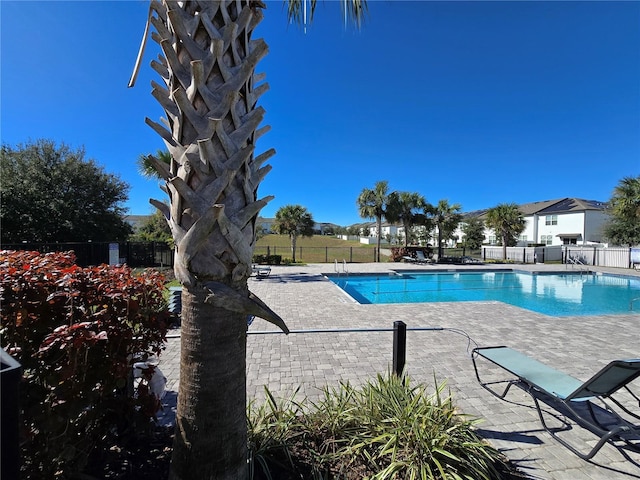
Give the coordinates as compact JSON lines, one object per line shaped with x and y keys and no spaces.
{"x":305,"y":299}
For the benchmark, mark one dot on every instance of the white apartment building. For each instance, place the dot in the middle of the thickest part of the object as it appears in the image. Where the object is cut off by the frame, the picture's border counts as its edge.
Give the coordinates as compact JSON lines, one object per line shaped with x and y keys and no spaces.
{"x":566,"y":221}
{"x":388,"y":232}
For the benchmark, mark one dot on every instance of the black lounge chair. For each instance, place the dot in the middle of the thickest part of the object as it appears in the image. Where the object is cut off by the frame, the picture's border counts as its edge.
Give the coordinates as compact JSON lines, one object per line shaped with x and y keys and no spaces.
{"x":574,"y":399}
{"x":421,"y":258}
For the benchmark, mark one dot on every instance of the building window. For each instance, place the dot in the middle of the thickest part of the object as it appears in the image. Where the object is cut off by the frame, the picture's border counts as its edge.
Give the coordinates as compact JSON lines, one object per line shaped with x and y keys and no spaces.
{"x":546,"y":239}
{"x":492,"y":240}
{"x":551,"y":220}
{"x":570,"y":241}
{"x":523,"y":238}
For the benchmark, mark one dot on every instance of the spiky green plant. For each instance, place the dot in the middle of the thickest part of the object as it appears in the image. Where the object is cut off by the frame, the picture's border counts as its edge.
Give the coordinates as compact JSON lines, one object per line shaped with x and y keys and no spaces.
{"x":384,"y":429}
{"x":273,"y":428}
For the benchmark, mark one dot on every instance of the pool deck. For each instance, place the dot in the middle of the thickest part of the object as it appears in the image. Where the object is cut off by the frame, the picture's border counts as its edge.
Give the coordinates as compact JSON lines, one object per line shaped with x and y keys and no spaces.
{"x":305,"y":299}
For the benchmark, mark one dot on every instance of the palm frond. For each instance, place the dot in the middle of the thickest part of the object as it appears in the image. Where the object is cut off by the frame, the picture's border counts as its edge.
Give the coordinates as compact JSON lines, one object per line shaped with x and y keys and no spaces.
{"x":301,"y":12}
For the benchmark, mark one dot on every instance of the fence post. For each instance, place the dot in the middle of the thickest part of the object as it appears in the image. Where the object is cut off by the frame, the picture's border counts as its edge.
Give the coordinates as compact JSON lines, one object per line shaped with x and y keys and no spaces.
{"x":326,"y":254}
{"x":11,"y":372}
{"x":399,"y":346}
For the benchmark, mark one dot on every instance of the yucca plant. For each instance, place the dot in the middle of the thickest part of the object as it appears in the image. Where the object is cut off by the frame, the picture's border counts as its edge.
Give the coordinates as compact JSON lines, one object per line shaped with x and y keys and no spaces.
{"x":273,"y":428}
{"x":403,"y":431}
{"x":384,"y":429}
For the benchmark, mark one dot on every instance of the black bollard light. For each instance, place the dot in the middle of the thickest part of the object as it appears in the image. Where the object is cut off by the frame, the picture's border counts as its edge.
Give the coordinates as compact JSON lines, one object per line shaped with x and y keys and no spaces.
{"x":399,"y":347}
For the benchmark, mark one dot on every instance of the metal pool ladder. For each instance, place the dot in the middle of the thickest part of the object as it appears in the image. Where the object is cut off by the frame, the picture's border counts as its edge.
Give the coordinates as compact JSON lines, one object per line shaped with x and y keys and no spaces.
{"x":583,"y":267}
{"x":344,"y":267}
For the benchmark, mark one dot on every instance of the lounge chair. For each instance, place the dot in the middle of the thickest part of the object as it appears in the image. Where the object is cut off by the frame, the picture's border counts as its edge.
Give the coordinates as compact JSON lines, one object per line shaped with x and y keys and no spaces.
{"x":574,"y":399}
{"x":261,"y":271}
{"x":471,"y":261}
{"x":421,"y":258}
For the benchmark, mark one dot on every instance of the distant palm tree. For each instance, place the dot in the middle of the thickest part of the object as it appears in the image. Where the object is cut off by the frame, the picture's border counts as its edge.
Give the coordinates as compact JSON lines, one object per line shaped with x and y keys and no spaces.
{"x":446,"y":217}
{"x":147,"y":163}
{"x":295,"y":221}
{"x":373,"y":204}
{"x":404,"y":207}
{"x":507,"y":222}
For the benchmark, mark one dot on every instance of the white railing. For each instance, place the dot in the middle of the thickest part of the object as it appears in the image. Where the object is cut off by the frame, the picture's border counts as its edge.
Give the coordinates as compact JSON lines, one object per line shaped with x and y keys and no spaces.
{"x":619,"y":257}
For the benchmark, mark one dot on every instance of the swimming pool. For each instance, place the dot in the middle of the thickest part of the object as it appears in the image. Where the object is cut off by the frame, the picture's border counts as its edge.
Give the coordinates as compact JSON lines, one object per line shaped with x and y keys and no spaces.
{"x":555,"y":294}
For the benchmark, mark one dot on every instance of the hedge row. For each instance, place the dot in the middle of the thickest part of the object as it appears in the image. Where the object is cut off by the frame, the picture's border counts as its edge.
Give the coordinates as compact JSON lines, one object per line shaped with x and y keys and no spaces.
{"x":76,"y":332}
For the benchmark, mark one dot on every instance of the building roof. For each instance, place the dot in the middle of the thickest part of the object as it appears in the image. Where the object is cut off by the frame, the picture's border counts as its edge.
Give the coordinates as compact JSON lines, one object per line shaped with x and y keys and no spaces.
{"x":572,"y":205}
{"x":548,"y":207}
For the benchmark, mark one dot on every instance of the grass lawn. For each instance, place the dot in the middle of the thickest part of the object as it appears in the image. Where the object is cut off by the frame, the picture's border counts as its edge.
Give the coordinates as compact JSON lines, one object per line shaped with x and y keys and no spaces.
{"x":317,"y":249}
{"x":315,"y":241}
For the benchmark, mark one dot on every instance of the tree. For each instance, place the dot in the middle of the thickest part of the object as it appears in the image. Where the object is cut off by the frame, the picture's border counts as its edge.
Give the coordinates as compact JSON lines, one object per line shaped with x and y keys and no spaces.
{"x":295,"y":221}
{"x":146,"y":163}
{"x":446,"y":218}
{"x":353,"y":230}
{"x":50,"y":193}
{"x":154,"y":229}
{"x":209,"y":95}
{"x":404,"y":207}
{"x":373,"y":204}
{"x":507,"y":222}
{"x":473,"y":229}
{"x":624,"y":209}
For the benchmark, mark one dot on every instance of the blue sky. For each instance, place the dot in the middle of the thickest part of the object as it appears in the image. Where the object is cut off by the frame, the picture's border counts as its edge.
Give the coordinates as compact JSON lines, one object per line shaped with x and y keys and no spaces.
{"x":476,"y":102}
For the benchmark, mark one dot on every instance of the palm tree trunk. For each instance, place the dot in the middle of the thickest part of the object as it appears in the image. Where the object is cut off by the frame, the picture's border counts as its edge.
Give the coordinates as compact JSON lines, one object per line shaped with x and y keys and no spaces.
{"x":294,"y":239}
{"x":379,"y":225}
{"x":504,"y":246}
{"x":211,"y":439}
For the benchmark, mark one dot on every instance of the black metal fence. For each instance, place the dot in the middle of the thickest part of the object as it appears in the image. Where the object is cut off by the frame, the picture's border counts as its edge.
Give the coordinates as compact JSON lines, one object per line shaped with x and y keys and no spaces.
{"x":159,"y":254}
{"x":134,"y":254}
{"x":322,"y":254}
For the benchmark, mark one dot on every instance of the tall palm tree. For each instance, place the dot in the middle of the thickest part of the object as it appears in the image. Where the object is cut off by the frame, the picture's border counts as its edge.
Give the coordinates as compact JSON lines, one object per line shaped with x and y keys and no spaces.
{"x":507,"y":222}
{"x":209,"y":92}
{"x":295,"y":221}
{"x":446,"y":218}
{"x":373,"y":204}
{"x":403,"y":207}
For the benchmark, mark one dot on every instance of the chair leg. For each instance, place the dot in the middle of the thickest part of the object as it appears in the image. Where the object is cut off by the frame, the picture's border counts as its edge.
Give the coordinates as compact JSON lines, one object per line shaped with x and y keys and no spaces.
{"x":604,"y":438}
{"x":485,"y":385}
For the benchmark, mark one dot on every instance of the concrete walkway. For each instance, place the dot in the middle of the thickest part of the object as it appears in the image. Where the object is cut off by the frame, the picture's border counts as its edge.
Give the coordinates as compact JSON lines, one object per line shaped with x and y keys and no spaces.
{"x":305,"y":299}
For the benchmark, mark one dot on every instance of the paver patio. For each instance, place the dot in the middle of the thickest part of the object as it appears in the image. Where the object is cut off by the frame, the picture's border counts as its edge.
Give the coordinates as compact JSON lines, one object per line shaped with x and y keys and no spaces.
{"x":306,"y":300}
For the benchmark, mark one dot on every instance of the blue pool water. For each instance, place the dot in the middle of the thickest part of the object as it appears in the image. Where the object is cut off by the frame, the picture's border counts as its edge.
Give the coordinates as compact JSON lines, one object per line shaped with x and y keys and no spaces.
{"x":551,"y":294}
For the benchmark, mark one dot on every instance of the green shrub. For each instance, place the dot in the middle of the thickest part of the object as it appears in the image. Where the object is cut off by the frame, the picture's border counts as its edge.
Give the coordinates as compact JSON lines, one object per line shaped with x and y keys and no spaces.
{"x":385,"y":429}
{"x":75,"y":332}
{"x":267,"y":259}
{"x":397,"y":253}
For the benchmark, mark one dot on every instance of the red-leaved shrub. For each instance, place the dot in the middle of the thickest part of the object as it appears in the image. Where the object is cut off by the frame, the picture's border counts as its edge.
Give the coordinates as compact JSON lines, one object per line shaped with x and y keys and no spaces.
{"x":76,"y":332}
